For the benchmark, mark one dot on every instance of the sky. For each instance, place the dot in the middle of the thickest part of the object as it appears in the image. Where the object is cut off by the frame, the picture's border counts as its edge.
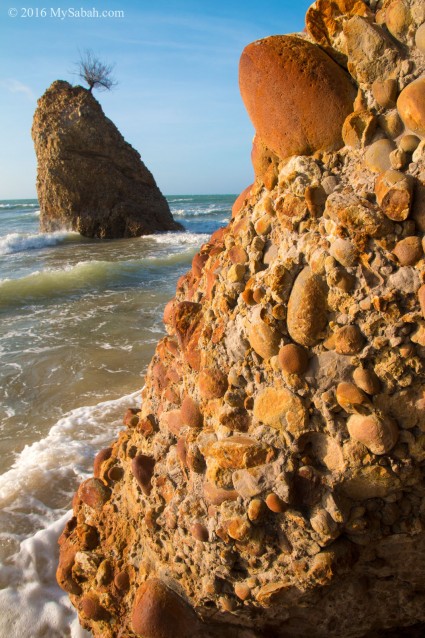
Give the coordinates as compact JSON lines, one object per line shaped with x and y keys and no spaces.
{"x":177,"y":100}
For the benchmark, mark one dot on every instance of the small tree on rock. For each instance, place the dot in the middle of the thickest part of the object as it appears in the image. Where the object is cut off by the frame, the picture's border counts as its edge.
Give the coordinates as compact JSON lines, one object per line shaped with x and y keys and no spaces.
{"x":95,"y":73}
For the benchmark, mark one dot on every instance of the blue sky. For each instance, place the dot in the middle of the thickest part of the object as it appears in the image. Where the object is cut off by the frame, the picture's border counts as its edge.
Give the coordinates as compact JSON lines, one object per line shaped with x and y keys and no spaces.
{"x":176,"y":62}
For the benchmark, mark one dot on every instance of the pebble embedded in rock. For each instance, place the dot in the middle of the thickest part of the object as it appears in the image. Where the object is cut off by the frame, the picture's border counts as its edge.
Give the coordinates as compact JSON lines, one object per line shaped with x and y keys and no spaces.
{"x":348,"y":340}
{"x":293,"y":359}
{"x":411,"y":106}
{"x":378,"y":435}
{"x":199,"y":532}
{"x":385,"y":92}
{"x":280,"y":409}
{"x":377,"y":156}
{"x":122,"y":580}
{"x":394,"y":194}
{"x":408,"y":250}
{"x":344,"y":251}
{"x":275,"y":503}
{"x":91,"y":607}
{"x":351,"y":399}
{"x":263,"y":338}
{"x":366,"y":380}
{"x":307,"y":308}
{"x":100,"y":457}
{"x":190,"y":413}
{"x":420,"y":38}
{"x":242,"y":591}
{"x":142,"y":467}
{"x":157,"y":608}
{"x":274,"y":75}
{"x":94,"y":493}
{"x":256,"y":509}
{"x":212,"y":383}
{"x":409,"y":143}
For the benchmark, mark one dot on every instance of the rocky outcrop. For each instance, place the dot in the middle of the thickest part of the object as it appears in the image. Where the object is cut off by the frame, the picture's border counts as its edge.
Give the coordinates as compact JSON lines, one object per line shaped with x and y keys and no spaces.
{"x":272,"y":482}
{"x":89,"y":178}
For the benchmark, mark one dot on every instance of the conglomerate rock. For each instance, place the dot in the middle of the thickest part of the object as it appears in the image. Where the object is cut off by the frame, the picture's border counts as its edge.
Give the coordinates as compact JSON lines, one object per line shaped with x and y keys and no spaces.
{"x":89,"y":178}
{"x":272,"y":482}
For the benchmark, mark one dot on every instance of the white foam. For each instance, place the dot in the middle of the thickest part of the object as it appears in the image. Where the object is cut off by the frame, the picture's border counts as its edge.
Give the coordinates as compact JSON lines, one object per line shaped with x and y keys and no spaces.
{"x":32,"y":605}
{"x":66,"y":452}
{"x":18,"y":242}
{"x":191,"y":239}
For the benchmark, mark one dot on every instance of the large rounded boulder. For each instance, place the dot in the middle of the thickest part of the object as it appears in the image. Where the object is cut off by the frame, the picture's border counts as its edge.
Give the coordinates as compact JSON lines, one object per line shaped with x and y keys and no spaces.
{"x":296,"y":96}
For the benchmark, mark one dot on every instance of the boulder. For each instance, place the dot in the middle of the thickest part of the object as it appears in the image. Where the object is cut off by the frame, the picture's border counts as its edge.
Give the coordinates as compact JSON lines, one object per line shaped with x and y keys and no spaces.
{"x":296,"y":96}
{"x":89,"y":178}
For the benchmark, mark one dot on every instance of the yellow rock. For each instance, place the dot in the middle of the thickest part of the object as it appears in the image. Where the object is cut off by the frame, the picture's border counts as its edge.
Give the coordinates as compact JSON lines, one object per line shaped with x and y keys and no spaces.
{"x":378,"y":435}
{"x":372,"y":481}
{"x":307,"y":308}
{"x":281,"y":410}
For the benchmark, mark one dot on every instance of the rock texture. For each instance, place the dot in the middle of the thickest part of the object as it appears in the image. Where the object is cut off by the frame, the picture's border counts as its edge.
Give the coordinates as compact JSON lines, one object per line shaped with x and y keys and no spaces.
{"x":272,"y":482}
{"x":89,"y":178}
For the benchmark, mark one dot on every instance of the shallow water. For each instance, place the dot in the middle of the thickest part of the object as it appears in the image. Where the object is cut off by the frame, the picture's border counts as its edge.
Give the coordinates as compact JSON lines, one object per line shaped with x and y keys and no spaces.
{"x":79,"y":320}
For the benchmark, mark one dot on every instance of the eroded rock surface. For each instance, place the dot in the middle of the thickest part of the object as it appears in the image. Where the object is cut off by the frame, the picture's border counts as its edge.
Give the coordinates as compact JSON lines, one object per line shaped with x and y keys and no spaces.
{"x":89,"y":178}
{"x":272,"y":482}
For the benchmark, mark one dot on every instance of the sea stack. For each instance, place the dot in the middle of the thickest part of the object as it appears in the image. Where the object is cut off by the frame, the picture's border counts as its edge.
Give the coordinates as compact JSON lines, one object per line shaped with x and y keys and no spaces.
{"x":89,"y":179}
{"x":271,"y":484}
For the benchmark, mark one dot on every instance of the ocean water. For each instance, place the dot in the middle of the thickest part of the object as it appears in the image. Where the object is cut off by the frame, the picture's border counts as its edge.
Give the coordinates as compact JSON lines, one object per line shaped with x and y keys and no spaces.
{"x":79,"y":320}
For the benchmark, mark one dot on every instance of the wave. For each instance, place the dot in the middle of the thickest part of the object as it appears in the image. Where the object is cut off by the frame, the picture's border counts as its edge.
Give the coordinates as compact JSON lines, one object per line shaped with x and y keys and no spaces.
{"x":20,"y":242}
{"x":200,"y":212}
{"x":21,"y":204}
{"x":191,"y":239}
{"x":83,"y":276}
{"x":66,"y":451}
{"x":32,"y":604}
{"x":48,"y":471}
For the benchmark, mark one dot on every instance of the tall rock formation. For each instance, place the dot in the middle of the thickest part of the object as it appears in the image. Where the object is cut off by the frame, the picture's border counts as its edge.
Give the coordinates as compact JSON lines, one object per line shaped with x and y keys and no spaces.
{"x":89,"y":178}
{"x":271,"y":484}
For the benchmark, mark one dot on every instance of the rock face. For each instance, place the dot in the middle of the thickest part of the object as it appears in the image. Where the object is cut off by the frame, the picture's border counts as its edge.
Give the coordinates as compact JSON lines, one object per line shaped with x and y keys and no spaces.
{"x":272,"y":482}
{"x":89,"y":178}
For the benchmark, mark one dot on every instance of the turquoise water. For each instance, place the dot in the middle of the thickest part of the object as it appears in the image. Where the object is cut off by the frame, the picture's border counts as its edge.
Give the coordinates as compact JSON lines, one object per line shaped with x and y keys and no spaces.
{"x":79,"y":320}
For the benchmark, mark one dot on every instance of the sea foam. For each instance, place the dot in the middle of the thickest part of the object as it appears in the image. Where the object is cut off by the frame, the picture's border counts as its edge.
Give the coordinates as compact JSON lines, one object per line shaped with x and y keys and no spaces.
{"x":31,"y":603}
{"x":19,"y":242}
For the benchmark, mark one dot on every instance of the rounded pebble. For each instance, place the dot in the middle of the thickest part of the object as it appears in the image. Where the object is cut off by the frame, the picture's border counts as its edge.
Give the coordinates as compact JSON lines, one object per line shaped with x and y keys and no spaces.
{"x":293,"y":359}
{"x":411,"y":106}
{"x":94,"y":493}
{"x":307,"y":308}
{"x":377,"y":156}
{"x":275,"y":503}
{"x":366,"y":380}
{"x":199,"y":532}
{"x":409,"y":250}
{"x":350,"y":398}
{"x":420,"y":38}
{"x":142,"y":467}
{"x":378,"y":435}
{"x":385,"y":92}
{"x":409,"y":143}
{"x":348,"y":340}
{"x":122,"y":580}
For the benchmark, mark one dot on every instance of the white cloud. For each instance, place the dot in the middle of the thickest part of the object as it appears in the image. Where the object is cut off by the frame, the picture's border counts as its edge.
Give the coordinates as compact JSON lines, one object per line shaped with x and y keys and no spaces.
{"x":15,"y":86}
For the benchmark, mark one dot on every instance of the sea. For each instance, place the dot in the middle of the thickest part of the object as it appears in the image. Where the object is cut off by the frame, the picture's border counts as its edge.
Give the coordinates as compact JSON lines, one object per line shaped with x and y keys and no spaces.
{"x":79,"y":320}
